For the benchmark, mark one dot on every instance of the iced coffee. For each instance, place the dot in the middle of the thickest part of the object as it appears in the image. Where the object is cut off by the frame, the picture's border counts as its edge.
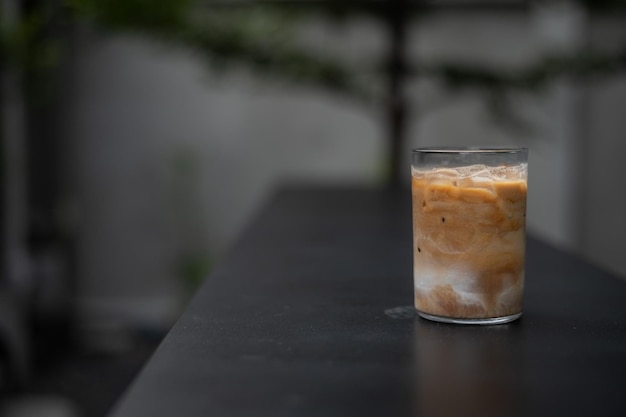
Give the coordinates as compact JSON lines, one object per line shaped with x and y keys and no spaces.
{"x":469,"y":212}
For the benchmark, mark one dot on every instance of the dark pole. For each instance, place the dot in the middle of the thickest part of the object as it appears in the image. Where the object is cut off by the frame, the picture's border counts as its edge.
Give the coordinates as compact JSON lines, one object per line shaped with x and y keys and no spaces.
{"x":397,"y":12}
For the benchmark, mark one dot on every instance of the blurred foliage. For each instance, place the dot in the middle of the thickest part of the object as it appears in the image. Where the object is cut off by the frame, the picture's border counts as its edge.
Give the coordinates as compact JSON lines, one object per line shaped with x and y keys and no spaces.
{"x":498,"y":86}
{"x":534,"y":77}
{"x":257,"y":36}
{"x":602,"y":5}
{"x":193,"y":259}
{"x":162,"y":16}
{"x":28,"y":47}
{"x":193,"y":269}
{"x":24,"y":43}
{"x":261,"y":35}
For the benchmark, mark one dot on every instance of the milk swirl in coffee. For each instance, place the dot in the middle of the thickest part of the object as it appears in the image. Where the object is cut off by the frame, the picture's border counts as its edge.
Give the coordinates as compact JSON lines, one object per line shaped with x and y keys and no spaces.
{"x":469,"y":240}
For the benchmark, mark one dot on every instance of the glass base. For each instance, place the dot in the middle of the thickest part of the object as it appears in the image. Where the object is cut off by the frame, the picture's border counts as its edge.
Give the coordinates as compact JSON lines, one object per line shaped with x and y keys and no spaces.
{"x":488,"y":321}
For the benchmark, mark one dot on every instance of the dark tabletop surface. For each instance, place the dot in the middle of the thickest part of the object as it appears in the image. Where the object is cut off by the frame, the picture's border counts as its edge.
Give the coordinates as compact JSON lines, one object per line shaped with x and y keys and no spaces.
{"x":309,"y":315}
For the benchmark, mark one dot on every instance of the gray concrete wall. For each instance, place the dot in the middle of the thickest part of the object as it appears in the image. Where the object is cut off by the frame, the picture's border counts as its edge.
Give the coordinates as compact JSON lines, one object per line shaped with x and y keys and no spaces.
{"x":604,"y":192}
{"x":172,"y":161}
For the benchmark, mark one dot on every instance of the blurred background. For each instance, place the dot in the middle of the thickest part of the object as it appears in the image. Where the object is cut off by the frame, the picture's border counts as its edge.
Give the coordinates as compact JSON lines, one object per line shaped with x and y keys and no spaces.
{"x":137,"y":139}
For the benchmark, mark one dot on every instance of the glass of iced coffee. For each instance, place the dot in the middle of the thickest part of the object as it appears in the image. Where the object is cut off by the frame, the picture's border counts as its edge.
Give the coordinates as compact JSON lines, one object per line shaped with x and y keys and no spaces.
{"x":469,"y":216}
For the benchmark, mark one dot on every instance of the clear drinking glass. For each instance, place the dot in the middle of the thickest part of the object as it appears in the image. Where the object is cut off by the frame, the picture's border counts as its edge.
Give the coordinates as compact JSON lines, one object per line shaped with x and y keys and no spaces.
{"x":469,"y":217}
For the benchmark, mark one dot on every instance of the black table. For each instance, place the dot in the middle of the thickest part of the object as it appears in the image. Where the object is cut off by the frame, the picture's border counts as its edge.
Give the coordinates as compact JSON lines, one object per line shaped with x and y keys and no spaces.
{"x":310,"y":315}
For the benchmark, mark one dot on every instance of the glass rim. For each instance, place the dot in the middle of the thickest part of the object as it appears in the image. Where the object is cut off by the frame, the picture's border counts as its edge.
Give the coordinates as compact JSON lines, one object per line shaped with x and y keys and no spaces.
{"x":469,"y":149}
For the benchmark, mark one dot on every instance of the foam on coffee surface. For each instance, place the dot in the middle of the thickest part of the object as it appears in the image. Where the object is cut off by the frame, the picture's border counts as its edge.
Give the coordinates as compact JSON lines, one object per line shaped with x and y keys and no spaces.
{"x":469,"y":240}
